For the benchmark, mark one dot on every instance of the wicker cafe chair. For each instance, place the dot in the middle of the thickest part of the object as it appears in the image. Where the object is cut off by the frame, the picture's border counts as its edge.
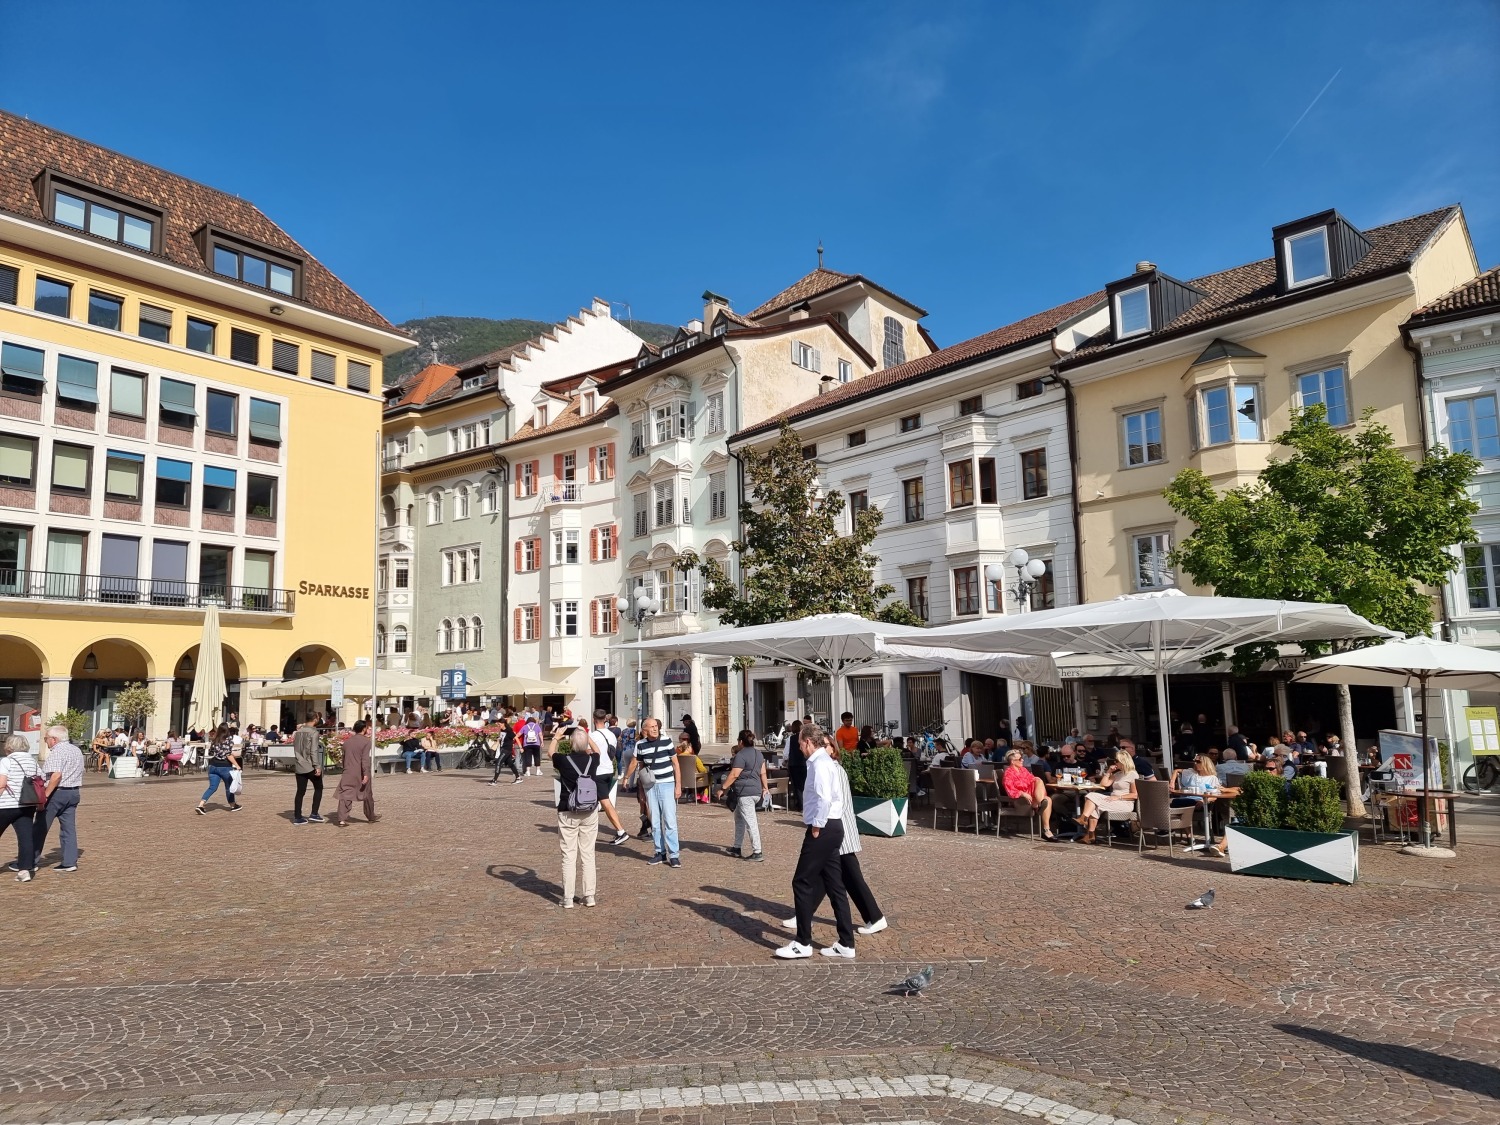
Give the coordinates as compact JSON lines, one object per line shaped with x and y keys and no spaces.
{"x":966,"y":797}
{"x":944,"y":797}
{"x":1155,"y":813}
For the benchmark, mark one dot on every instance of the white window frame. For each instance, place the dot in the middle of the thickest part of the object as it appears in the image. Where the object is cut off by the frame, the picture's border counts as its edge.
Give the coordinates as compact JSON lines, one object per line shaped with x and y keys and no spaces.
{"x":434,"y":507}
{"x":528,"y":622}
{"x":718,"y":495}
{"x":461,"y":502}
{"x":1449,"y":403}
{"x":805,"y":356}
{"x":1160,"y":543}
{"x":399,"y":640}
{"x":1121,"y":332}
{"x":564,"y":543}
{"x":1292,"y":280}
{"x":608,"y":548}
{"x":663,"y":503}
{"x":1489,"y":556}
{"x":565,"y":619}
{"x":641,"y":513}
{"x":1125,"y":440}
{"x":846,"y":371}
{"x":461,"y":566}
{"x":1233,"y":389}
{"x":529,"y":559}
{"x":601,"y":463}
{"x":526,"y":475}
{"x":714,"y":408}
{"x":490,"y":498}
{"x":1321,"y":371}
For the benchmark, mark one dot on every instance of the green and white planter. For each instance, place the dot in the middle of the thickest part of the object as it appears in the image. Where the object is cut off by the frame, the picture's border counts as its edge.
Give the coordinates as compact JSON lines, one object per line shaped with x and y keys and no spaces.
{"x":877,"y":816}
{"x":1280,"y":853}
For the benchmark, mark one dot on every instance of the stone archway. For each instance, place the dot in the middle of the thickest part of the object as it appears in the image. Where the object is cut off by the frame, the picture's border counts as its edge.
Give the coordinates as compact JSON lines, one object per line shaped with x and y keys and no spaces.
{"x":22,"y":669}
{"x":100,"y":670}
{"x":185,"y":670}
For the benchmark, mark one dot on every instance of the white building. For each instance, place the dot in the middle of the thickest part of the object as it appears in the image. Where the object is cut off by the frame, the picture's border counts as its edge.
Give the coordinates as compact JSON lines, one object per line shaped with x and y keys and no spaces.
{"x":1457,"y":340}
{"x":965,"y":452}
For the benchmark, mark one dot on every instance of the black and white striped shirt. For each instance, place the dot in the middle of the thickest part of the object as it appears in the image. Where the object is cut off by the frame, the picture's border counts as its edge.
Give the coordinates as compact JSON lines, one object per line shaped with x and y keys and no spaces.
{"x":656,"y":755}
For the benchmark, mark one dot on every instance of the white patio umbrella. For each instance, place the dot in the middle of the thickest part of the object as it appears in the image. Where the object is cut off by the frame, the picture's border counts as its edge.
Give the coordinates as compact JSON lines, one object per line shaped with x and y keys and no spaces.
{"x":206,"y":704}
{"x":359,"y":683}
{"x":1405,"y":662}
{"x":520,"y":685}
{"x":834,"y":644}
{"x":1154,"y":633}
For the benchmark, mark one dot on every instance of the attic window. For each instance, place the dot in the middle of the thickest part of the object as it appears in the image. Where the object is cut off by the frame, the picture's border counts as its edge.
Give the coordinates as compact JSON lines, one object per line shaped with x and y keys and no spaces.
{"x":242,"y":260}
{"x":721,"y":328}
{"x":541,"y":417}
{"x":1307,"y":257}
{"x":1132,"y":312}
{"x":75,"y":204}
{"x":587,"y":406}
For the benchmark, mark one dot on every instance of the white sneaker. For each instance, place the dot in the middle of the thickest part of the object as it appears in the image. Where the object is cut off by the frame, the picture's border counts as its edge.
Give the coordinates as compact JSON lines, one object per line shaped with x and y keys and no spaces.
{"x":789,"y":924}
{"x":837,"y":950}
{"x":794,"y":951}
{"x":874,"y":927}
{"x":25,"y":877}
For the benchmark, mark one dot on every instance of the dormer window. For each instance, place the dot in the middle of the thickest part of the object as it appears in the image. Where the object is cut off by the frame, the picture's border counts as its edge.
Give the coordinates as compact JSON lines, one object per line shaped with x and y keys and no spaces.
{"x":1133,"y":312}
{"x":78,"y":205}
{"x":541,"y":417}
{"x":249,"y":262}
{"x":1307,"y":257}
{"x":587,"y":408}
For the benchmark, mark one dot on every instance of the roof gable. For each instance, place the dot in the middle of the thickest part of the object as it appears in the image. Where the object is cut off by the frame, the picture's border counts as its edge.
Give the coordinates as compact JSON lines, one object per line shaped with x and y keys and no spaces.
{"x":1479,"y":294}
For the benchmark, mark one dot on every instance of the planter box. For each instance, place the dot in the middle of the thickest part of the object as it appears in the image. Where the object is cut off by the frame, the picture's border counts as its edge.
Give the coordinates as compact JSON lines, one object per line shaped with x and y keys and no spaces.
{"x":878,"y":817}
{"x":1282,"y":854}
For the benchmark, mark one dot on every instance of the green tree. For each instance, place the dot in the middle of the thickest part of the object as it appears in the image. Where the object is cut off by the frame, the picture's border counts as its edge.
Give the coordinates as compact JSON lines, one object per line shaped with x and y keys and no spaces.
{"x":794,"y":561}
{"x":77,"y":723}
{"x":135,"y":704}
{"x":1347,"y":517}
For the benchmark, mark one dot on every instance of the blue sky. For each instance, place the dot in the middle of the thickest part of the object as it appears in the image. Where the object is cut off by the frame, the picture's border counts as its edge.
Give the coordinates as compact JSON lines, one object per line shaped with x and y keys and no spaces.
{"x":984,"y":160}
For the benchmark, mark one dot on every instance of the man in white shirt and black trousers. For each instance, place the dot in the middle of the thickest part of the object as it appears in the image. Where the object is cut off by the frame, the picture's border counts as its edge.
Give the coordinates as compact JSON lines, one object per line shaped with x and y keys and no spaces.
{"x":819,"y":872}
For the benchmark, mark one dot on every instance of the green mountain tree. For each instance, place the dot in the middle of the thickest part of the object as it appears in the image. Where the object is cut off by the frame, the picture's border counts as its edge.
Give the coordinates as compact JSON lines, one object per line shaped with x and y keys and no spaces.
{"x":1347,"y":517}
{"x":457,"y":339}
{"x":793,"y":560}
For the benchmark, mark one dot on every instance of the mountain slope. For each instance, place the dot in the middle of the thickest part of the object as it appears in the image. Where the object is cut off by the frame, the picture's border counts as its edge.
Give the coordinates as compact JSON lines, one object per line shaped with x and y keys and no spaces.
{"x":455,"y":339}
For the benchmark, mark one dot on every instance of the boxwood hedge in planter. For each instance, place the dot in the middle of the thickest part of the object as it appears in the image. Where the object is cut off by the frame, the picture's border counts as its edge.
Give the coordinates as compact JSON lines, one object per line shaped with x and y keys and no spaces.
{"x":1292,"y":830}
{"x":879,"y":782}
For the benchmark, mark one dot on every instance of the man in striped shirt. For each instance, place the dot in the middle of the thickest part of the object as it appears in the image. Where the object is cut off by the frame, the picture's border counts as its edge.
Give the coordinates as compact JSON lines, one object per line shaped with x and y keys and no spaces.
{"x":64,"y":774}
{"x":656,"y":761}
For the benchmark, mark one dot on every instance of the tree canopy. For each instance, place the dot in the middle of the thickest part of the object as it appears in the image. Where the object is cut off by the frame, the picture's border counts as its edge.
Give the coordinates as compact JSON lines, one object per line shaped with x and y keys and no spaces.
{"x":793,"y":559}
{"x":1347,"y":517}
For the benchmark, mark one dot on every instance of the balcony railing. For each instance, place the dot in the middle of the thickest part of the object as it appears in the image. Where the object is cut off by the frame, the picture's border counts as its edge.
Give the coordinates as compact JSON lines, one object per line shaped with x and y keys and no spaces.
{"x":392,"y":462}
{"x":108,"y":589}
{"x":566,"y":492}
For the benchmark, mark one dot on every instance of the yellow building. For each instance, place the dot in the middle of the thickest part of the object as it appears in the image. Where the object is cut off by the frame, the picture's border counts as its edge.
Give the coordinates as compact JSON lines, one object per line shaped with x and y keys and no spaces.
{"x":1205,"y":374}
{"x":189,"y":415}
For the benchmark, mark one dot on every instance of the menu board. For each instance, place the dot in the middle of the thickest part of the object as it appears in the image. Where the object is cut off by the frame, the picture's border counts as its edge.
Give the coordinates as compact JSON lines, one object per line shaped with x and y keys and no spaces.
{"x":1484,"y":730}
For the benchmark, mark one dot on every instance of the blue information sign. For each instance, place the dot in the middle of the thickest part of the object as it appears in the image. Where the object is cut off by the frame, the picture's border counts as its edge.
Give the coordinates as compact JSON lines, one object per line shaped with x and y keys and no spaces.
{"x":453,"y":683}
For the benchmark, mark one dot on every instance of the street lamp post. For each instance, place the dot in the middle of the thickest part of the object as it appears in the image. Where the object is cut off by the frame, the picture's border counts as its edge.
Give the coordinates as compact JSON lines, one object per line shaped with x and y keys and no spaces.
{"x":1029,"y":572}
{"x":643,"y":607}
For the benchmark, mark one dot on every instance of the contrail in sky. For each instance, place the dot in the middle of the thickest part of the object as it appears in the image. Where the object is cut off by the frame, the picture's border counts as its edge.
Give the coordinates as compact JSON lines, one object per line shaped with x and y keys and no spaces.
{"x":1305,"y":112}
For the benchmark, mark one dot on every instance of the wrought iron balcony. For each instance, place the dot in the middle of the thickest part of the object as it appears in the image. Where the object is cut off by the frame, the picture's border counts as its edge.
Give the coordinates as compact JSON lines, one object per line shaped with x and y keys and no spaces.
{"x":109,"y":589}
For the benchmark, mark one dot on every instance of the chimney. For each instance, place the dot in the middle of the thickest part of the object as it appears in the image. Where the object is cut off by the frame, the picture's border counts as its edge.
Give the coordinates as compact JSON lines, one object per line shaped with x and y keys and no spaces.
{"x":825,"y":384}
{"x":695,"y":327}
{"x":800,"y":312}
{"x":1144,"y":267}
{"x":713,"y":304}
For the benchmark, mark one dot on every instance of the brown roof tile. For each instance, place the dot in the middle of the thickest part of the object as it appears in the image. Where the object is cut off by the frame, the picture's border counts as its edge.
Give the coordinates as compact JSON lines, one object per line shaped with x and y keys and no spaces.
{"x":27,"y":148}
{"x":820,"y":281}
{"x":1483,"y":292}
{"x":569,"y":419}
{"x":1032,"y":328}
{"x":418,"y":389}
{"x":1251,"y":288}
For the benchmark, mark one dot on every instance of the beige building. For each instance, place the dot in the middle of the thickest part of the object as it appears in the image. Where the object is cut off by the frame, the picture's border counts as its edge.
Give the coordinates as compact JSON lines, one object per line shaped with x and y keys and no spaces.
{"x":1204,"y":374}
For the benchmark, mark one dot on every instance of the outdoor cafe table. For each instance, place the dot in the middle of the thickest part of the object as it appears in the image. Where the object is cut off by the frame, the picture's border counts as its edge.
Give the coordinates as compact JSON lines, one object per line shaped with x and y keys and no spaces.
{"x":1073,"y":830}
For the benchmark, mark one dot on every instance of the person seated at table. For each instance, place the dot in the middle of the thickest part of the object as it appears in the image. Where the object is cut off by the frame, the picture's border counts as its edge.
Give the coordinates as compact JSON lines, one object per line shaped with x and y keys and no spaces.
{"x":995,"y":751}
{"x":1095,"y":757}
{"x":1199,"y":784}
{"x":1119,"y":794}
{"x":1020,"y":784}
{"x":694,"y":772}
{"x":973,"y":755}
{"x":847,"y":734}
{"x":867,"y":739}
{"x":1069,"y":761}
{"x":1231,"y":769}
{"x":1034,"y":758}
{"x":1144,"y":766}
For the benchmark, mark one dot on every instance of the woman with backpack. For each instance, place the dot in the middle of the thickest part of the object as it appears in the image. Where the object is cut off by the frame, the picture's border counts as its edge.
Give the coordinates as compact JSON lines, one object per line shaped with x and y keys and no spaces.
{"x":531,"y":745}
{"x":577,"y":814}
{"x":223,"y":761}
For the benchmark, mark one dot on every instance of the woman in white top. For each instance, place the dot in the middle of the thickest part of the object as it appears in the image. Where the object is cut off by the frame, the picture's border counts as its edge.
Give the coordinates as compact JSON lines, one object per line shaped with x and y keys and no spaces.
{"x":18,"y":804}
{"x":1118,"y":797}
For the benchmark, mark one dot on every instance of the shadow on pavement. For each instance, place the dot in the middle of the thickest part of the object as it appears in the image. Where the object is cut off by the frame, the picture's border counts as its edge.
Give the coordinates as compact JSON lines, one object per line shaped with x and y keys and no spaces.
{"x":731,"y":919}
{"x":1461,"y":1074}
{"x":525,"y":879}
{"x":752,"y":901}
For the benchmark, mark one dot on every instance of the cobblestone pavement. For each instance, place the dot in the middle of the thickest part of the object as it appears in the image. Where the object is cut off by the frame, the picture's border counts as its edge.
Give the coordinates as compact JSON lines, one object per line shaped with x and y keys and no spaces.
{"x":421,"y":969}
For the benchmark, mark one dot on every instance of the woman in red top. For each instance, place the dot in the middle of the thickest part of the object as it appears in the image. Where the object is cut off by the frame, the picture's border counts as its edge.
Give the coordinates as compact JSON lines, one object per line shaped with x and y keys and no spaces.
{"x":1020,"y":784}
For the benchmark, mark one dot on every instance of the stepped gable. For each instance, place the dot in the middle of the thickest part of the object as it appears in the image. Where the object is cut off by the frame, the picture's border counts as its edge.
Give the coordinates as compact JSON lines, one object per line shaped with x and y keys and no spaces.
{"x":27,"y":149}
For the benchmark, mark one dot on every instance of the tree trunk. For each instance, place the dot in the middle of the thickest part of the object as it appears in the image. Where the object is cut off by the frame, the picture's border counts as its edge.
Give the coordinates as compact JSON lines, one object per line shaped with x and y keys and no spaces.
{"x":1356,"y":803}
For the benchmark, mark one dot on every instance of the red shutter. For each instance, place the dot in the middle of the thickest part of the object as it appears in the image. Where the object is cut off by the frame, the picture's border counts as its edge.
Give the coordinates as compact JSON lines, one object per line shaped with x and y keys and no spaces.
{"x":593,"y":465}
{"x":518,"y":556}
{"x":594,"y":618}
{"x":518,"y":480}
{"x":609,"y":457}
{"x":593,"y":544}
{"x":614,"y":538}
{"x":557,"y":470}
{"x":536,"y":621}
{"x":516,"y":623}
{"x":536,"y":553}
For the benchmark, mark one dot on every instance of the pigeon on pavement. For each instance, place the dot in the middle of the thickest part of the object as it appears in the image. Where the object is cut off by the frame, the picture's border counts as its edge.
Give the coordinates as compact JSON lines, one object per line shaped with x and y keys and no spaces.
{"x":1203,"y":901}
{"x":915,"y":984}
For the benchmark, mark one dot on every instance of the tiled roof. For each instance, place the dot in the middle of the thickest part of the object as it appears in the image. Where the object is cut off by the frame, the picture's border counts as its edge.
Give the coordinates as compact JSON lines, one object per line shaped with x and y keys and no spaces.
{"x":1036,"y":327}
{"x":568,"y":419}
{"x":820,"y":281}
{"x":1251,"y":288}
{"x":27,"y":148}
{"x":1483,"y":292}
{"x":418,"y":389}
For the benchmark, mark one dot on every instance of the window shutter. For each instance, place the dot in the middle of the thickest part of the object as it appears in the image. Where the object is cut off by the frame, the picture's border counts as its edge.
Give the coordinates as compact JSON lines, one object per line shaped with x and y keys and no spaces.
{"x":593,"y":464}
{"x":536,"y":621}
{"x":244,"y":347}
{"x":594,"y":618}
{"x":322,"y":368}
{"x":286,"y":356}
{"x":557,"y":469}
{"x":536,"y":552}
{"x":593,"y":544}
{"x":609,"y":459}
{"x":536,"y":475}
{"x":358,"y":375}
{"x":615,"y":537}
{"x":518,"y":556}
{"x":9,"y":278}
{"x":516,"y":623}
{"x":817,"y":360}
{"x":797,"y":353}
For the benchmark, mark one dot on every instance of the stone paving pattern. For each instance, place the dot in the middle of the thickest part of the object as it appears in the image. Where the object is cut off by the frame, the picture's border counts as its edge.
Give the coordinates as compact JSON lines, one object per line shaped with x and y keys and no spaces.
{"x":228,"y":963}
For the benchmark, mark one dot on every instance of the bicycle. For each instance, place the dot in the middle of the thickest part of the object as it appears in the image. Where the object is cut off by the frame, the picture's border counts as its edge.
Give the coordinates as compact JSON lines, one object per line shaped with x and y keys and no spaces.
{"x":1483,"y":775}
{"x":479,"y":754}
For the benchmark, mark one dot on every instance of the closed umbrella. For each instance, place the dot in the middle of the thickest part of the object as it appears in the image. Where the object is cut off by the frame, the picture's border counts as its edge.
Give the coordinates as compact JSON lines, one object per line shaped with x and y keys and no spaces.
{"x":1154,"y":633}
{"x":1406,"y":662}
{"x":206,"y":704}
